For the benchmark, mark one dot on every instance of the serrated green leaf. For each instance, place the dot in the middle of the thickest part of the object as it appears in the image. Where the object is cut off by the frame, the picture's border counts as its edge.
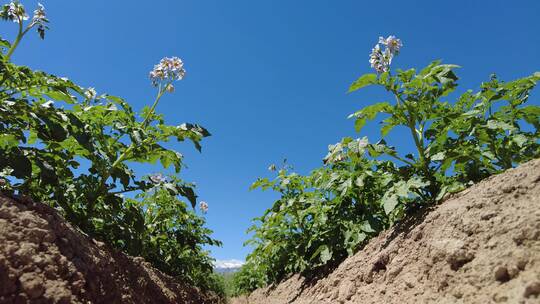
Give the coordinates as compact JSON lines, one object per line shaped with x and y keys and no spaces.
{"x":390,"y":203}
{"x":60,"y":96}
{"x":326,"y":255}
{"x":496,"y":124}
{"x":8,"y":141}
{"x":363,"y":81}
{"x":385,"y":129}
{"x":369,"y":113}
{"x":519,"y":139}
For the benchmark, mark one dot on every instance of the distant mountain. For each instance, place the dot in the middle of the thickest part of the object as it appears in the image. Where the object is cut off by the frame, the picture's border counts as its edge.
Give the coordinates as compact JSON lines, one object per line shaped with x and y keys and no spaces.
{"x":227,"y":270}
{"x":227,"y":266}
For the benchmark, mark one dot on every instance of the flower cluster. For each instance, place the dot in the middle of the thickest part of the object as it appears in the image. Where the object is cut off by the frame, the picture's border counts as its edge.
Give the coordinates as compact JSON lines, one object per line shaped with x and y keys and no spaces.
{"x":14,"y":11}
{"x":203,"y":206}
{"x":40,"y":20}
{"x":380,"y":60}
{"x":157,"y":178}
{"x":90,"y":93}
{"x":167,"y":71}
{"x":392,"y":43}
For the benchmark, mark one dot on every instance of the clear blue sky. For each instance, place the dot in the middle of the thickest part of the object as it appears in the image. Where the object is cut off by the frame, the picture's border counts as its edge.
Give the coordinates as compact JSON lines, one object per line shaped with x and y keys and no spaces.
{"x":268,"y":78}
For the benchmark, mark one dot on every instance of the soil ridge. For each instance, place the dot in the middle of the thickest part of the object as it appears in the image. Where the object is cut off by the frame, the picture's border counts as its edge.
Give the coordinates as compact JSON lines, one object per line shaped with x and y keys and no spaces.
{"x":44,"y":259}
{"x":481,"y":245}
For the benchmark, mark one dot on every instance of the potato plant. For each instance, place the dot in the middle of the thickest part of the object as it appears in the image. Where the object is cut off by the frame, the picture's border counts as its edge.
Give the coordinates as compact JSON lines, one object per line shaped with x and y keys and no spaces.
{"x":67,"y":146}
{"x":367,"y":186}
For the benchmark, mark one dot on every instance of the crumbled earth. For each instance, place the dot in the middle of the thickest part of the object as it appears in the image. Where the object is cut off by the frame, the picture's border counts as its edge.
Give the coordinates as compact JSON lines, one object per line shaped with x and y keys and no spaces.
{"x":43,"y":259}
{"x":479,"y":246}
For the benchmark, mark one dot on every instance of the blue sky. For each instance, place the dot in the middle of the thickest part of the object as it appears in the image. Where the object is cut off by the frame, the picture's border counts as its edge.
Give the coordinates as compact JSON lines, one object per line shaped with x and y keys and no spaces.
{"x":269,"y":78}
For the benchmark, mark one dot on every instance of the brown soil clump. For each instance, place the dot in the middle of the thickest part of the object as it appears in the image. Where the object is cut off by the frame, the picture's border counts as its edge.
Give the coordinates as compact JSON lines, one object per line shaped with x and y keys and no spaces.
{"x":43,"y":259}
{"x":479,"y":246}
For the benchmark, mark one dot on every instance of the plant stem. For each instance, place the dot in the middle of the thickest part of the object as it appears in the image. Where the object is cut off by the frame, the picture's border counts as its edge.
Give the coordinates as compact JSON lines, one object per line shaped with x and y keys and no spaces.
{"x":158,"y":97}
{"x":125,"y":191}
{"x":411,"y":123}
{"x":20,"y":34}
{"x":123,"y":156}
{"x":418,"y":138}
{"x":18,"y":39}
{"x":143,"y":125}
{"x":401,"y":159}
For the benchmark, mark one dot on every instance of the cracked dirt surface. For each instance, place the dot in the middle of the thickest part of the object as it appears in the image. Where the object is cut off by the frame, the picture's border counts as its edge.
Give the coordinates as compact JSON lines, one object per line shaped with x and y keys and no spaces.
{"x":43,"y":259}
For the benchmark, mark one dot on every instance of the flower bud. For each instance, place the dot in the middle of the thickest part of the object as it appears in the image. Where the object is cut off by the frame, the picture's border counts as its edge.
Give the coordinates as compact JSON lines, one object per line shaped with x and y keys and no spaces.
{"x":203,"y":206}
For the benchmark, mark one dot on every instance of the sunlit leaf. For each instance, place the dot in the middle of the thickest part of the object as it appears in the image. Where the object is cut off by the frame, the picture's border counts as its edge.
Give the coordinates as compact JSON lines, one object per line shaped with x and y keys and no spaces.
{"x":363,"y":81}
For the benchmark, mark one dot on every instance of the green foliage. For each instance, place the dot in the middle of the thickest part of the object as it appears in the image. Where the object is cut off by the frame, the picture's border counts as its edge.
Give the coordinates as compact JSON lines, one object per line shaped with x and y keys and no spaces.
{"x":364,"y":187}
{"x":217,"y":283}
{"x":66,"y":146}
{"x":225,"y":279}
{"x":249,"y":277}
{"x":170,"y":236}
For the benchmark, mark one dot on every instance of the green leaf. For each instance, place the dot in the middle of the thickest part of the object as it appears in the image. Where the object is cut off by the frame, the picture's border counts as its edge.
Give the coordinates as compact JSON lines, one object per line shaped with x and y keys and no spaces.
{"x":416,"y":183}
{"x":442,"y":193}
{"x":519,"y":139}
{"x":359,"y":181}
{"x":369,"y":113}
{"x":385,"y":129}
{"x":531,"y":114}
{"x":4,"y":44}
{"x":115,"y":99}
{"x":8,"y":141}
{"x":188,"y":193}
{"x":389,"y":203}
{"x":496,"y":124}
{"x":401,"y":189}
{"x":366,"y":227}
{"x":438,"y":156}
{"x":318,"y":251}
{"x":326,"y":254}
{"x":60,"y":96}
{"x":363,"y":81}
{"x":32,"y":137}
{"x":429,"y":68}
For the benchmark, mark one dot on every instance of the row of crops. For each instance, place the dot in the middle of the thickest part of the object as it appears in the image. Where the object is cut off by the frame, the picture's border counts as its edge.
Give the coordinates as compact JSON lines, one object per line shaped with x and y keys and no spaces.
{"x":72,"y":148}
{"x":366,"y":186}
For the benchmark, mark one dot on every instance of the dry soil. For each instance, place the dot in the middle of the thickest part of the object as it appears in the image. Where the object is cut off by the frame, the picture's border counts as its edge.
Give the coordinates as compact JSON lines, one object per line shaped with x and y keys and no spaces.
{"x":43,"y":259}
